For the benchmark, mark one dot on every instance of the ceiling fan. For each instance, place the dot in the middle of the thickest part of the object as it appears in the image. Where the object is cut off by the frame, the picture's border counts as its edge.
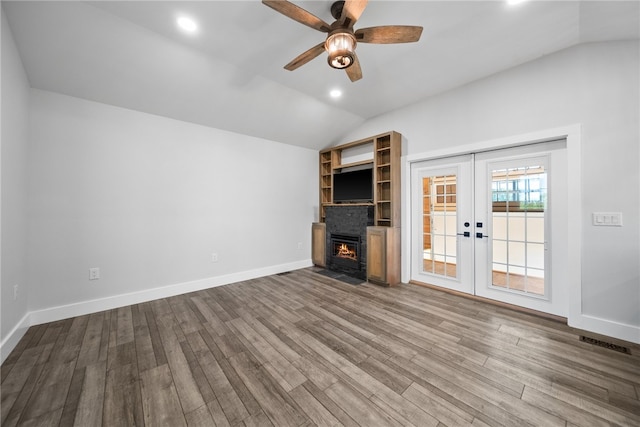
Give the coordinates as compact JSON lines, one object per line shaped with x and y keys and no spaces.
{"x":341,"y":38}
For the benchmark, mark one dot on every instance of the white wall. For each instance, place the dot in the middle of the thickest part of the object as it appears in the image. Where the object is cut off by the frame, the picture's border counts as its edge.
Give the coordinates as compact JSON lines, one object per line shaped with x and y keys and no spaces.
{"x":13,"y":151}
{"x":149,"y":199}
{"x":594,"y":85}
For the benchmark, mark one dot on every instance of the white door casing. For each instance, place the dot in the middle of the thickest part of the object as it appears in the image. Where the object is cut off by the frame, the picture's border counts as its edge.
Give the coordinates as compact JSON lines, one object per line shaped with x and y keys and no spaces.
{"x":476,"y":256}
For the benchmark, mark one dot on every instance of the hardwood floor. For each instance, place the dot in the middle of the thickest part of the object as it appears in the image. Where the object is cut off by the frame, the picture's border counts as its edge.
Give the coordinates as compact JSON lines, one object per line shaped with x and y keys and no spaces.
{"x":303,"y":349}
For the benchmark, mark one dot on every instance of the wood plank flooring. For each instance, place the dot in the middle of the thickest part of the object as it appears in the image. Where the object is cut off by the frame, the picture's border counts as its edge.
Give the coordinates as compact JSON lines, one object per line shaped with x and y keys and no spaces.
{"x":303,"y":349}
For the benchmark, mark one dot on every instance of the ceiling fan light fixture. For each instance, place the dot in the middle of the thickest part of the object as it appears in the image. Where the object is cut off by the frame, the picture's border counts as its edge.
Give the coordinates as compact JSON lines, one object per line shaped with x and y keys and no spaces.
{"x":340,"y":43}
{"x":341,"y":46}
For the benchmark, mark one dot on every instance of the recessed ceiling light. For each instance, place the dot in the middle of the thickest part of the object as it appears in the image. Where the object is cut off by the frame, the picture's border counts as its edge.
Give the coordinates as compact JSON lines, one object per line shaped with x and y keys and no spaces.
{"x":514,"y":2}
{"x":335,"y":93}
{"x":187,"y":24}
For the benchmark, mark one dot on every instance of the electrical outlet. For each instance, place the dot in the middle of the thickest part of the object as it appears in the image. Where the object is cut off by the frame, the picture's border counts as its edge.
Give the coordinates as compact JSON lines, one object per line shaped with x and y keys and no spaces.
{"x":299,"y":245}
{"x":214,"y":257}
{"x":94,"y":273}
{"x":15,"y":292}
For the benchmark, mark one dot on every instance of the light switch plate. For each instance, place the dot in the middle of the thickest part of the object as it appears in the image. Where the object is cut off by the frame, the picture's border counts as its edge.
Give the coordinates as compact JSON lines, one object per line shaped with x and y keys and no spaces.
{"x":607,"y":219}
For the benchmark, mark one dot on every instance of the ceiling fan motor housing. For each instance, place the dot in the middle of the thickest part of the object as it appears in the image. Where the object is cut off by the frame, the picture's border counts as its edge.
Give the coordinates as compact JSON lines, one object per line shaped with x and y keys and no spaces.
{"x":336,"y":9}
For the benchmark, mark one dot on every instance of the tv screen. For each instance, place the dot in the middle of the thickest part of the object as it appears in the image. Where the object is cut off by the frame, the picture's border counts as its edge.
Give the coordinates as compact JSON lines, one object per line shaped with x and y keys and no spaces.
{"x":353,"y":186}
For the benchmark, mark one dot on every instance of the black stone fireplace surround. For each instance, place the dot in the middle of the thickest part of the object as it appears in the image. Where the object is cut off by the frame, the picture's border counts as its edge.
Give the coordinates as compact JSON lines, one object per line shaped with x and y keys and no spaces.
{"x":350,"y":222}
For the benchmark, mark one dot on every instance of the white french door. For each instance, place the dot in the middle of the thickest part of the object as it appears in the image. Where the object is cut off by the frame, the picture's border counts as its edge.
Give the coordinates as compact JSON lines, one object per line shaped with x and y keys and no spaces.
{"x":439,"y":255}
{"x":491,"y":224}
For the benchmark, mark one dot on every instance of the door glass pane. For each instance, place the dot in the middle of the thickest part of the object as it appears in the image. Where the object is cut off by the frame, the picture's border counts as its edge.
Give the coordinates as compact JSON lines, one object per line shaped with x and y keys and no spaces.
{"x":519,"y":202}
{"x":439,"y":225}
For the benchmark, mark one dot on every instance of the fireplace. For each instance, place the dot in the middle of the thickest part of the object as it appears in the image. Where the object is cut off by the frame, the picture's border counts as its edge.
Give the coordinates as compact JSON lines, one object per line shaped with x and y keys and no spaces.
{"x":346,"y":239}
{"x":345,"y":250}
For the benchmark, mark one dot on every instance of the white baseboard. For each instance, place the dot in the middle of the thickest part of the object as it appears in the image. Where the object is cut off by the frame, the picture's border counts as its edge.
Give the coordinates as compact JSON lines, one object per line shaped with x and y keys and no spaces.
{"x":53,"y":314}
{"x":9,"y":343}
{"x":622,"y":331}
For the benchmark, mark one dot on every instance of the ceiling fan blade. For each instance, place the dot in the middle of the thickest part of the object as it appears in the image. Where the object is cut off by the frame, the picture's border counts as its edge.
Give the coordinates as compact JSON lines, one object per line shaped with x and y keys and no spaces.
{"x":305,"y":57}
{"x":354,"y":71}
{"x":298,"y":14}
{"x":389,"y":34}
{"x":351,"y":12}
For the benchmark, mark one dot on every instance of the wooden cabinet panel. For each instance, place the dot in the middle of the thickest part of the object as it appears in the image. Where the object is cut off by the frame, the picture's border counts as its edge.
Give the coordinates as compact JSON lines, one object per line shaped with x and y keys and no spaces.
{"x":376,"y":251}
{"x":383,"y":255}
{"x":318,"y":243}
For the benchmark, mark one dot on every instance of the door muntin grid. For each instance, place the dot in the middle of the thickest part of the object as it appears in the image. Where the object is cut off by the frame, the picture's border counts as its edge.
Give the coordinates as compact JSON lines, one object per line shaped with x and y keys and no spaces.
{"x":519,"y":206}
{"x":439,"y":225}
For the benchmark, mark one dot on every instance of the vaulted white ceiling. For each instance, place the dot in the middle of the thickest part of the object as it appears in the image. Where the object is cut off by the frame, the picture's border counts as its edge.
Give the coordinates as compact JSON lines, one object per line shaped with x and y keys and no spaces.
{"x":229,"y":74}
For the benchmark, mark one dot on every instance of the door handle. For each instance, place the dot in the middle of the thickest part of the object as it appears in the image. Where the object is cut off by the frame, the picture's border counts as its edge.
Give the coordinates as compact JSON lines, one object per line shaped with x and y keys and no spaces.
{"x":466,"y":233}
{"x":480,"y":235}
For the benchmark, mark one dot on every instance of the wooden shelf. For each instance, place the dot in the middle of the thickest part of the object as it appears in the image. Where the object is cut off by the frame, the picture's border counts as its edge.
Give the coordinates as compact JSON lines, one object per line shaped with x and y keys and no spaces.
{"x":386,"y":151}
{"x":349,"y":204}
{"x":326,"y":181}
{"x":387,"y":173}
{"x":350,"y":165}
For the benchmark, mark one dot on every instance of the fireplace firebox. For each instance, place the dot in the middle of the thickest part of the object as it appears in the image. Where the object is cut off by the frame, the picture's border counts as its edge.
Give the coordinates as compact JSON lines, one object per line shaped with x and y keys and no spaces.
{"x":345,"y":250}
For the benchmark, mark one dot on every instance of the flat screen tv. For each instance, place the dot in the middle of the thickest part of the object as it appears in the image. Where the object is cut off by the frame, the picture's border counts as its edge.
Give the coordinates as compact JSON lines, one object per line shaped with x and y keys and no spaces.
{"x":353,"y":186}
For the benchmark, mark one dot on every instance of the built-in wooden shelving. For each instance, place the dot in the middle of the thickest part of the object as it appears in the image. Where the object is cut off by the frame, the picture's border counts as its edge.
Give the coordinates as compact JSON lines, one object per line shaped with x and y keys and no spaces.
{"x":385,"y":160}
{"x":326,"y":182}
{"x":383,"y":239}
